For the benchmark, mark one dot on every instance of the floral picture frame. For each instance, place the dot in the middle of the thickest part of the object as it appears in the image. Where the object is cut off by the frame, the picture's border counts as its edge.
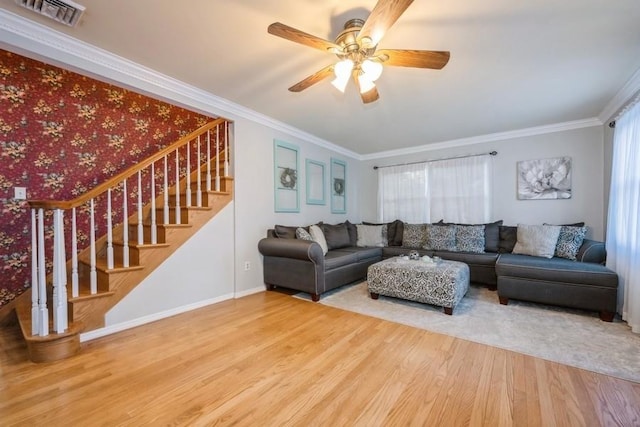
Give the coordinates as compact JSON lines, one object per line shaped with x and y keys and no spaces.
{"x":544,"y":179}
{"x":286,"y":177}
{"x":315,"y":179}
{"x":338,"y":186}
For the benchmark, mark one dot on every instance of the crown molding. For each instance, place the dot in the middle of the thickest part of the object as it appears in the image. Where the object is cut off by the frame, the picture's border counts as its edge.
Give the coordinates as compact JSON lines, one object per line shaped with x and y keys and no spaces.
{"x":492,"y":137}
{"x":40,"y":42}
{"x":628,"y":91}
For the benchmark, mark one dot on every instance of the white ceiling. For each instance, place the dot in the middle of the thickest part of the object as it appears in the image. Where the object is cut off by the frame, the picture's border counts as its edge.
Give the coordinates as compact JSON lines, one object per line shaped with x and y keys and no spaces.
{"x":514,"y":64}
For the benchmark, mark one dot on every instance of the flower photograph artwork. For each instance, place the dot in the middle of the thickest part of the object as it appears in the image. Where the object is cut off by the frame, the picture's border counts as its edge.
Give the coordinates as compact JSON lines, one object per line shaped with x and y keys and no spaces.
{"x":544,"y":179}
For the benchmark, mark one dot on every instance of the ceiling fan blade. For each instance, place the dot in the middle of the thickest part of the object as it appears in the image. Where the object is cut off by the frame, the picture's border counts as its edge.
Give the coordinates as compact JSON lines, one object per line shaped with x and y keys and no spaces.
{"x":382,"y":17}
{"x":312,"y":79}
{"x":369,"y":96}
{"x":413,"y":58}
{"x":297,"y":36}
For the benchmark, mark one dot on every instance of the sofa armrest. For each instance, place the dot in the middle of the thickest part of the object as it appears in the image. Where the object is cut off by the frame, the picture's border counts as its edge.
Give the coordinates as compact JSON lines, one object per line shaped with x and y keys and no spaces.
{"x":592,"y":251}
{"x":291,"y":248}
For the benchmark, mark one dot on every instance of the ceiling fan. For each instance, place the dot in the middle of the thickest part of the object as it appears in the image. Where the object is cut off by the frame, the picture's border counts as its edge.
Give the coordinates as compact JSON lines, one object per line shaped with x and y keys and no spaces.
{"x":357,"y":49}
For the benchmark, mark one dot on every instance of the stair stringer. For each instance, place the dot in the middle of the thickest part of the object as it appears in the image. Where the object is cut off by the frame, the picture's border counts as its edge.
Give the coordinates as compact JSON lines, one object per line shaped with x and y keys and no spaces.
{"x":91,"y":311}
{"x":199,"y":273}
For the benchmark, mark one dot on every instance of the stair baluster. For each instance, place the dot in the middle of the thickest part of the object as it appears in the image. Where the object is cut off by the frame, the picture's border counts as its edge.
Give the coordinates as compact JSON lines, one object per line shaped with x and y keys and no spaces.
{"x":110,"y":263}
{"x":199,"y":181}
{"x":154,"y":226}
{"x":125,"y":225}
{"x":177,"y":207}
{"x":93,"y":275}
{"x":218,"y":158}
{"x":74,"y":255}
{"x":35,"y":309}
{"x":43,"y":311}
{"x":59,"y":274}
{"x":139,"y":208}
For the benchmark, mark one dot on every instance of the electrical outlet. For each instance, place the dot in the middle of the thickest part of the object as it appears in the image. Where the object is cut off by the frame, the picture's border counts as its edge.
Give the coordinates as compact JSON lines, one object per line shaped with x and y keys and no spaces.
{"x":20,"y":193}
{"x":247,"y":266}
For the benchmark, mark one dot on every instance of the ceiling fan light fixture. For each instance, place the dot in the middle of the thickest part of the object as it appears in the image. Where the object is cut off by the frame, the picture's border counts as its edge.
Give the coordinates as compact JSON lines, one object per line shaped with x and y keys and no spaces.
{"x":365,"y":83}
{"x":342,"y":71}
{"x":371,"y":69}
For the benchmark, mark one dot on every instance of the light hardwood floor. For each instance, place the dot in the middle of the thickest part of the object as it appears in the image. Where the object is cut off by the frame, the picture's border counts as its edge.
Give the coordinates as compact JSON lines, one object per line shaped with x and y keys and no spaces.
{"x":270,"y":359}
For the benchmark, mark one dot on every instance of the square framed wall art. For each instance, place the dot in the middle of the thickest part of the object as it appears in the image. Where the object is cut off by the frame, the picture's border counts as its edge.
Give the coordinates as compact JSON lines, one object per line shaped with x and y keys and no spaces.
{"x":315,"y":179}
{"x":544,"y":179}
{"x":285,"y":174}
{"x":338,"y":186}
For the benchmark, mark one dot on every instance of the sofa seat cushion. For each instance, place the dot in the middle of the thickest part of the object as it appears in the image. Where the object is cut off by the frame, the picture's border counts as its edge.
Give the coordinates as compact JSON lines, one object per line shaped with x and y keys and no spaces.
{"x":339,"y":258}
{"x":486,"y":258}
{"x":361,"y":253}
{"x":555,"y":270}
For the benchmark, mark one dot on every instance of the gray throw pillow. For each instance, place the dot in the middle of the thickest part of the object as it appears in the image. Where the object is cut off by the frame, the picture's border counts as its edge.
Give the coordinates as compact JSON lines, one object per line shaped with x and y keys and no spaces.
{"x":285,"y":231}
{"x":508,"y":237}
{"x":337,"y":236}
{"x":569,"y":241}
{"x":537,"y":240}
{"x":441,"y":237}
{"x":470,"y":238}
{"x":413,"y":235}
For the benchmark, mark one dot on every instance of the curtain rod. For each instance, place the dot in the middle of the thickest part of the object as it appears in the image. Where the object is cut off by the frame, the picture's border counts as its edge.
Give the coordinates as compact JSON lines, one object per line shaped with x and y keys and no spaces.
{"x":490,"y":153}
{"x":627,"y":107}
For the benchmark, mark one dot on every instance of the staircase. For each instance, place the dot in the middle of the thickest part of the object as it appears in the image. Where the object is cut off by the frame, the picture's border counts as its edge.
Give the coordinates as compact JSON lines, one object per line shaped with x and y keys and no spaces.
{"x":73,"y":289}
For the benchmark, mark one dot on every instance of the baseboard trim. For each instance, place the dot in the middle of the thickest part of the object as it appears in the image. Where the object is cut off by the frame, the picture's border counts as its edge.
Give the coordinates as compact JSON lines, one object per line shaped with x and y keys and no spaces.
{"x":251,"y":291}
{"x":112,"y":329}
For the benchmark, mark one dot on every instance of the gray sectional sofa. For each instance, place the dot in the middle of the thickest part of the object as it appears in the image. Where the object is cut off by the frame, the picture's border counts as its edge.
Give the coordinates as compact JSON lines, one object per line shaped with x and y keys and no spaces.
{"x":583,"y":283}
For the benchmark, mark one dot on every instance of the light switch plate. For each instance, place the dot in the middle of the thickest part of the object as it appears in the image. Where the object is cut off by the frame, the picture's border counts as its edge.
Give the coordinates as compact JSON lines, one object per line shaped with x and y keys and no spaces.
{"x":20,"y":193}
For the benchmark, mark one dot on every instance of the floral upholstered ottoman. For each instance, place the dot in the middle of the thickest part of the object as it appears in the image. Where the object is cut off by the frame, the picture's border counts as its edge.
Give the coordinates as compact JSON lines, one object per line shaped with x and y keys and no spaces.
{"x":442,"y":283}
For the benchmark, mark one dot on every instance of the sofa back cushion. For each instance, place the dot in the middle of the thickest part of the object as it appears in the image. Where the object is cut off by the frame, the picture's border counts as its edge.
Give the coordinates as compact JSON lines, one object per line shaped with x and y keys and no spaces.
{"x":337,"y":236}
{"x":508,"y":237}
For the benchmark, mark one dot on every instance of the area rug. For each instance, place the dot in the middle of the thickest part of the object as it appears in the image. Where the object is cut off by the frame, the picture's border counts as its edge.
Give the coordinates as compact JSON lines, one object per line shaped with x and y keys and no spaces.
{"x":572,"y":337}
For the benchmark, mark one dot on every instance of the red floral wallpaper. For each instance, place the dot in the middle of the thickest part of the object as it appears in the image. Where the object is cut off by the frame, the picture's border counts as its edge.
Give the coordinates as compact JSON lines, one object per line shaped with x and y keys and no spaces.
{"x":61,"y":134}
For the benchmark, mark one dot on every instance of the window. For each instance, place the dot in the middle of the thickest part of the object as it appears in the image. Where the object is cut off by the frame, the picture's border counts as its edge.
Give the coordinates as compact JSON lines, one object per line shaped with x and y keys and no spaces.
{"x":456,"y":190}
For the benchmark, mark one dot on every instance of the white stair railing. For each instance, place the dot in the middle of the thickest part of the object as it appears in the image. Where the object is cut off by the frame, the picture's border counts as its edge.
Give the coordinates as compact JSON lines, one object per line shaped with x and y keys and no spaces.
{"x":48,"y":220}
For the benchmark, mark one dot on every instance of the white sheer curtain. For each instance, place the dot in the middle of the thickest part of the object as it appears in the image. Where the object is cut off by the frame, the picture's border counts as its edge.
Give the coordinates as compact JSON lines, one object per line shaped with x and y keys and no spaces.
{"x":402,"y":194}
{"x":460,"y":190}
{"x":623,"y":224}
{"x":456,"y":190}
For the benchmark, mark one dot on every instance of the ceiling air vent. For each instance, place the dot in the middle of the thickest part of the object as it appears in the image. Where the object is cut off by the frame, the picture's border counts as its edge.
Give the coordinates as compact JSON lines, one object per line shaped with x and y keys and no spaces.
{"x":66,"y":12}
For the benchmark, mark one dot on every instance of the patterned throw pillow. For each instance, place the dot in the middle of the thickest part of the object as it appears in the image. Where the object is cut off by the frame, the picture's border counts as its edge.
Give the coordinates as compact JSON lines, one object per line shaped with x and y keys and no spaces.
{"x":413,"y":235}
{"x":441,"y":237}
{"x":470,"y":238}
{"x":569,"y":241}
{"x":303,"y":234}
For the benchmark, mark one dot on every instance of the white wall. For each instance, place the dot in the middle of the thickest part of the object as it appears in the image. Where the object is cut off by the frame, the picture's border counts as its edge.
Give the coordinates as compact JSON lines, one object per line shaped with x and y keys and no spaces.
{"x":197,"y":273}
{"x":584,"y":146}
{"x":254,"y":194}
